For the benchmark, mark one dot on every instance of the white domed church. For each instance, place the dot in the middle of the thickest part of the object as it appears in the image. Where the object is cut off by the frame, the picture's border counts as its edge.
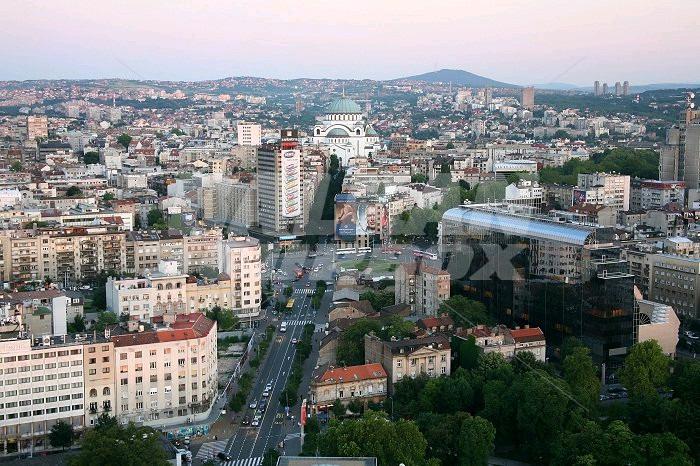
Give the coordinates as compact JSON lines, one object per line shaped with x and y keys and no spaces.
{"x":345,"y":131}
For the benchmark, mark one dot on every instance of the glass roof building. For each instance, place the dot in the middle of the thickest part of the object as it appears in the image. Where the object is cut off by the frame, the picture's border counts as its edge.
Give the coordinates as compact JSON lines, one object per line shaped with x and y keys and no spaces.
{"x":566,"y":278}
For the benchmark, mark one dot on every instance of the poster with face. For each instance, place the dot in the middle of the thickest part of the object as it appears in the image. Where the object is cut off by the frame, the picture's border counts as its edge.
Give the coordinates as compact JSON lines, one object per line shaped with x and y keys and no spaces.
{"x":345,"y":217}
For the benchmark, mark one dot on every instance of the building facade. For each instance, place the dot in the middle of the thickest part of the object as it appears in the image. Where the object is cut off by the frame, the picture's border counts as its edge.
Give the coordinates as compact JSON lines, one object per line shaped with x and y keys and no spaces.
{"x":421,"y":286}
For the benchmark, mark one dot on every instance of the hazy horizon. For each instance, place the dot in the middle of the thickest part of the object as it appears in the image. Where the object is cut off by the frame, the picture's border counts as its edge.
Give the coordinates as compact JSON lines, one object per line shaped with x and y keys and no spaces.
{"x":510,"y":41}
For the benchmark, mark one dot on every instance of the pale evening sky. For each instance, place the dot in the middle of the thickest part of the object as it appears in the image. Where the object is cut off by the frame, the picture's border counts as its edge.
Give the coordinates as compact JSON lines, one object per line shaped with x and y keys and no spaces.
{"x":516,"y":41}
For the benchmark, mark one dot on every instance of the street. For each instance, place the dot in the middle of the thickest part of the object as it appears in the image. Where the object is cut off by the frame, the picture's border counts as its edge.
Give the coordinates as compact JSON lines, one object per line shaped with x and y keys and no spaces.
{"x":248,"y":444}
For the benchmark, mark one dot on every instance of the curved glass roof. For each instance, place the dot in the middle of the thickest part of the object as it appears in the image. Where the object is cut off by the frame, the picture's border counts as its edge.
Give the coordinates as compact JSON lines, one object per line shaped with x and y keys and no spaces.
{"x":337,"y":132}
{"x":343,"y":105}
{"x":521,"y":226}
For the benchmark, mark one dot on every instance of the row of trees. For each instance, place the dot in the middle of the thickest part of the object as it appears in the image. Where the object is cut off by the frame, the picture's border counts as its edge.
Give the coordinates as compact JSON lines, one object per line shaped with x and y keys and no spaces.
{"x":535,"y":411}
{"x":304,"y":345}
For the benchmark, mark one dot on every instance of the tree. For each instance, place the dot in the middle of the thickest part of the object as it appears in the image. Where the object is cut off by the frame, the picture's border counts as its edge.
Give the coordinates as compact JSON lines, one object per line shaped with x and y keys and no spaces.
{"x":580,"y":374}
{"x":91,"y":158}
{"x":270,"y":458}
{"x":391,"y":443}
{"x":106,"y":422}
{"x":156,"y":220}
{"x":115,"y":444}
{"x":419,"y":178}
{"x":465,"y":311}
{"x":16,"y":166}
{"x":105,"y":319}
{"x":78,"y":324}
{"x":476,"y":441}
{"x":334,"y":165}
{"x":561,"y":134}
{"x":61,"y":435}
{"x":108,"y":197}
{"x":338,"y":408}
{"x":74,"y":191}
{"x":645,"y":369}
{"x":378,"y":299}
{"x":124,"y":139}
{"x":288,"y":291}
{"x":351,"y":342}
{"x":225,"y":320}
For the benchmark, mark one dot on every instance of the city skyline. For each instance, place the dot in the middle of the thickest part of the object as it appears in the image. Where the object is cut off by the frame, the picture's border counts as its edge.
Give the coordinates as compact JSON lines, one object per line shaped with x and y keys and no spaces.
{"x":67,"y":40}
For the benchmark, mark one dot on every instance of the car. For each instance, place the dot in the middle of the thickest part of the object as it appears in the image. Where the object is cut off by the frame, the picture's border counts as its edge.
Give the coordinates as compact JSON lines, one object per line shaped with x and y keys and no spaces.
{"x":294,"y":341}
{"x":256,"y":421}
{"x":245,"y":421}
{"x":268,"y":387}
{"x":262,"y":404}
{"x":253,"y":404}
{"x":223,"y":456}
{"x":266,"y":393}
{"x":603,"y":397}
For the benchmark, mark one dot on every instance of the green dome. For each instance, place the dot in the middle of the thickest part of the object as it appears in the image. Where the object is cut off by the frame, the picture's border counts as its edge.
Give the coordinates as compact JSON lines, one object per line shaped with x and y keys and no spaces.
{"x":337,"y":133}
{"x":370,"y":131}
{"x":343,"y":105}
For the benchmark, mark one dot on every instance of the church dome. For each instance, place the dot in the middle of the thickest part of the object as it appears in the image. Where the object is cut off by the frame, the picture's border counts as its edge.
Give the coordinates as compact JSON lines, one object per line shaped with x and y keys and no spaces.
{"x":337,"y":133}
{"x":343,"y":105}
{"x":370,"y":131}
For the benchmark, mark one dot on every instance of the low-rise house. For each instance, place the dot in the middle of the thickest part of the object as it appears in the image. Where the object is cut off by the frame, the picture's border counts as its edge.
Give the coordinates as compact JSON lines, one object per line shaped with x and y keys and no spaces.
{"x":366,"y":383}
{"x":507,"y":342}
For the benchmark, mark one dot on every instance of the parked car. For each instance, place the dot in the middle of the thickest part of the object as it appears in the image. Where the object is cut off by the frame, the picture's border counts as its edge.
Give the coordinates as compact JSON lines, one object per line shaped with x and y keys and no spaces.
{"x":253,"y":404}
{"x":223,"y":456}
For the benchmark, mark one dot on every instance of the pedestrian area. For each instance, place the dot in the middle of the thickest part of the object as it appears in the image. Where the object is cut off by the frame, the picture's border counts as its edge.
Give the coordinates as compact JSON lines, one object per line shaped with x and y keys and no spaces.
{"x":210,"y":449}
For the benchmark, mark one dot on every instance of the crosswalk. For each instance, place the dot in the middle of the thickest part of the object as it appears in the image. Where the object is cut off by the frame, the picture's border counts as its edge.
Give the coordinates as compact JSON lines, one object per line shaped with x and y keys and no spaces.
{"x":299,"y":322}
{"x":210,"y":449}
{"x":245,"y":462}
{"x":304,"y":291}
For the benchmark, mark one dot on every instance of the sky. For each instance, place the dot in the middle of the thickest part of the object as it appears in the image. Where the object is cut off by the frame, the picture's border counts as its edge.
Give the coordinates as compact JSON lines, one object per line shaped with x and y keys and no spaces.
{"x":516,"y":41}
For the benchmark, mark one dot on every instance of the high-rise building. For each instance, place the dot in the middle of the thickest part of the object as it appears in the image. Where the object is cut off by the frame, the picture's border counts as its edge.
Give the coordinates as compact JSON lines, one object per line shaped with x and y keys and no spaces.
{"x":422,"y":287}
{"x":249,"y":134}
{"x":527,"y":97}
{"x":37,"y":127}
{"x":488,"y":96}
{"x":618,"y":88}
{"x":240,"y":260}
{"x":626,"y":88}
{"x":605,"y":89}
{"x":680,"y":156}
{"x":596,"y":88}
{"x":280,"y":186}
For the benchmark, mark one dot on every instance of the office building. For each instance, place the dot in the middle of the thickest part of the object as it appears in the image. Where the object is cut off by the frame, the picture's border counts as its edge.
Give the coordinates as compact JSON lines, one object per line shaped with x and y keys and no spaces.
{"x":280,"y":192}
{"x":618,"y":89}
{"x":596,"y":88}
{"x":565,"y":278}
{"x":674,"y":280}
{"x":249,"y":134}
{"x":527,"y":98}
{"x":421,"y":286}
{"x":625,"y":88}
{"x":605,"y":89}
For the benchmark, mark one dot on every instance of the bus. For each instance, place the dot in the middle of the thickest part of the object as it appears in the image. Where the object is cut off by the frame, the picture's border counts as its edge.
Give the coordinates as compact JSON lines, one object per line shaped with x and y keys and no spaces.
{"x":290,"y":303}
{"x":428,"y":255}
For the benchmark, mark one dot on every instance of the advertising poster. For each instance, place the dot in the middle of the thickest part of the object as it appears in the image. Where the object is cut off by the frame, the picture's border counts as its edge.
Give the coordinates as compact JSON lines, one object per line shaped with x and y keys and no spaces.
{"x":345,"y":217}
{"x":579,"y":196}
{"x":291,"y":183}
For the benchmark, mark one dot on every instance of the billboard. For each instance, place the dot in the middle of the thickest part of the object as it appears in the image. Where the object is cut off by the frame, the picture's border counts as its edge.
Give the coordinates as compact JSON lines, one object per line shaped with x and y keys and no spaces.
{"x":291,"y":183}
{"x":579,"y":196}
{"x":345,"y":217}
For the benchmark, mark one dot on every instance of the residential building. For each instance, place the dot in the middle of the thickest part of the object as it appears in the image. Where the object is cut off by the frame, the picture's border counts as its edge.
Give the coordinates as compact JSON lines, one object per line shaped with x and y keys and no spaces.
{"x":507,"y":342}
{"x":249,"y":134}
{"x":366,"y":383}
{"x":653,"y":194}
{"x":37,"y":127}
{"x":167,"y":374}
{"x":603,"y":188}
{"x":422,"y":286}
{"x":675,"y":281}
{"x":240,"y":259}
{"x":527,"y":98}
{"x":409,"y":357}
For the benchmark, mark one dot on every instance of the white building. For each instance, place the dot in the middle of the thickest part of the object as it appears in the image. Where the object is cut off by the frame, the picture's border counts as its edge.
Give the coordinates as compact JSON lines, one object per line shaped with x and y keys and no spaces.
{"x":249,"y":134}
{"x":345,"y":132}
{"x":603,"y":188}
{"x":524,"y":192}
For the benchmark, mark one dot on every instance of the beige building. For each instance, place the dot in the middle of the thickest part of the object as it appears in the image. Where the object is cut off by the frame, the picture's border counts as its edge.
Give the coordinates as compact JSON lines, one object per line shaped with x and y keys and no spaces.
{"x":99,"y":375}
{"x":366,"y":383}
{"x":240,"y":260}
{"x":249,"y":134}
{"x":422,"y":286}
{"x":37,"y":127}
{"x":409,"y":357}
{"x":166,"y":375}
{"x":658,"y":322}
{"x":201,"y":251}
{"x":507,"y":342}
{"x":608,"y":189}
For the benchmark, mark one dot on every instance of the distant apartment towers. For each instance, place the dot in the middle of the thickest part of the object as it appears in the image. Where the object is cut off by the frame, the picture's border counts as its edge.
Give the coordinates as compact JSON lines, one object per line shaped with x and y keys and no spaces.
{"x":620,"y":89}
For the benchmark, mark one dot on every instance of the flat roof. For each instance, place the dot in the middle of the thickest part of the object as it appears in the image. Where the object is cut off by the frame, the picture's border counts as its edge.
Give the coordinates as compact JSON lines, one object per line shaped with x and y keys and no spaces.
{"x":324,"y":461}
{"x":529,"y":227}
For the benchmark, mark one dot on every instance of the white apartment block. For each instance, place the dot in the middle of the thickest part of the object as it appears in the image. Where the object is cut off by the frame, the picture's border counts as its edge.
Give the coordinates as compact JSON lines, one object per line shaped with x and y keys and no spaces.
{"x":240,"y":259}
{"x":249,"y":134}
{"x":603,"y":188}
{"x":42,"y":382}
{"x":167,"y":375}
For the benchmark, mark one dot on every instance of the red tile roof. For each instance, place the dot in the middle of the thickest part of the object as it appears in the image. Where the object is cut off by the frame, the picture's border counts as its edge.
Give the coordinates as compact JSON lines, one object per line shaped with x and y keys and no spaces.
{"x":185,"y":327}
{"x":346,"y":374}
{"x":524,"y":335}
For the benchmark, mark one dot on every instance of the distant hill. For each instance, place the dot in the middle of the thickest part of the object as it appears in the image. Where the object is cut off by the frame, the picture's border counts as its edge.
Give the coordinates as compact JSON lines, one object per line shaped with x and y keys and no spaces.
{"x":456,"y":77}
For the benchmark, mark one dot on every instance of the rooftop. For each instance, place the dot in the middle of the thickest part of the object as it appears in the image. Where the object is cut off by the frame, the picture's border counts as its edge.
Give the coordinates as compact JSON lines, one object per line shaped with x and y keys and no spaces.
{"x":345,"y":374}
